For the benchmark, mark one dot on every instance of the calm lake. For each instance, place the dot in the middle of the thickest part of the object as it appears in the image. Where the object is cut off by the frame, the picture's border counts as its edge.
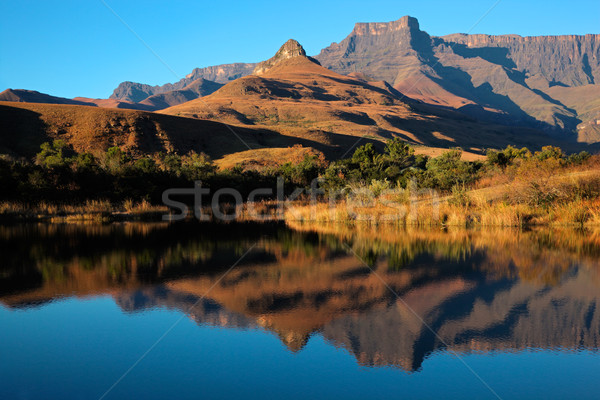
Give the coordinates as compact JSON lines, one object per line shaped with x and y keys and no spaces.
{"x":191,"y":310}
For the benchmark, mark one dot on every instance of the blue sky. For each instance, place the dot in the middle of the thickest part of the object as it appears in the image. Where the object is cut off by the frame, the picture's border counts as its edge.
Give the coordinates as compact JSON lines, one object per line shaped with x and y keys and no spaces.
{"x":79,"y":48}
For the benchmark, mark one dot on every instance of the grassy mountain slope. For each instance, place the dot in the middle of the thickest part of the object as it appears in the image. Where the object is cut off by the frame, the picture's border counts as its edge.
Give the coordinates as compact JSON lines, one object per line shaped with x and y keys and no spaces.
{"x":32,"y":96}
{"x":300,"y":98}
{"x":25,"y":126}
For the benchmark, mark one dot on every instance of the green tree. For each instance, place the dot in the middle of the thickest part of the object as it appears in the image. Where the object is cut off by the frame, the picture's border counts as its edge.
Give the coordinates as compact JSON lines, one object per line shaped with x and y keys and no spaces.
{"x":550,"y":152}
{"x":52,"y":155}
{"x":116,"y":160}
{"x":171,"y":163}
{"x":365,"y":164}
{"x":448,"y":170}
{"x":398,"y":158}
{"x":146,"y":165}
{"x":578,"y":158}
{"x":365,"y":157}
{"x":84,"y":162}
{"x":302,"y":173}
{"x":197,"y":166}
{"x":506,"y":157}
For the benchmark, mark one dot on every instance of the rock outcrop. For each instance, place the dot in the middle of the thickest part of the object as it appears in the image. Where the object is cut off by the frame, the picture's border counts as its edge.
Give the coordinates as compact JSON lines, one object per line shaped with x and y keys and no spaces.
{"x":290,"y":49}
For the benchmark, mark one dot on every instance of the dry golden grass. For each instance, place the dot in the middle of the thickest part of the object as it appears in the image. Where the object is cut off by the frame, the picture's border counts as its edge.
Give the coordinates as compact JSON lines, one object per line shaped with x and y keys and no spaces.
{"x":543,"y":196}
{"x":26,"y":126}
{"x":91,"y":210}
{"x":141,"y":207}
{"x":467,"y":154}
{"x":260,"y":159}
{"x":422,"y":213}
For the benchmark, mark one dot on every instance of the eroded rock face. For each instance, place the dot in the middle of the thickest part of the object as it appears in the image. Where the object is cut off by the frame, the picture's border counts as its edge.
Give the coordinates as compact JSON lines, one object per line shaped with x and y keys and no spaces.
{"x":379,"y":50}
{"x":133,"y":91}
{"x":221,"y":73}
{"x":290,"y":49}
{"x":504,"y":78}
{"x":379,"y":28}
{"x":571,"y":60}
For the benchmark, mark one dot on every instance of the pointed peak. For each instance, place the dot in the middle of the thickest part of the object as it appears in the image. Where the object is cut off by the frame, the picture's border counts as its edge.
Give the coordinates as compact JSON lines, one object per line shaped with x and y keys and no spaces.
{"x":377,"y":28}
{"x":290,"y":49}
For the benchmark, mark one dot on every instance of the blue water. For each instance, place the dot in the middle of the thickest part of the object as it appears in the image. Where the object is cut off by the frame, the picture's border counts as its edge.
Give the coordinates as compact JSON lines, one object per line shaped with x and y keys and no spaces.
{"x":77,"y":349}
{"x":125,"y":343}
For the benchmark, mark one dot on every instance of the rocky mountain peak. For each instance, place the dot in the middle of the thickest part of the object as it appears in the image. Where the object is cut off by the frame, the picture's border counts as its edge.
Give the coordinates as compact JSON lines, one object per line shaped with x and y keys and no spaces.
{"x":379,"y":28}
{"x":290,"y":49}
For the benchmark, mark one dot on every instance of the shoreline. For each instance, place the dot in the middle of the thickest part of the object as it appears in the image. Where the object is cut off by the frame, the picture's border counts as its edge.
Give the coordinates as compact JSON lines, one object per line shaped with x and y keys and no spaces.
{"x":424,"y":212}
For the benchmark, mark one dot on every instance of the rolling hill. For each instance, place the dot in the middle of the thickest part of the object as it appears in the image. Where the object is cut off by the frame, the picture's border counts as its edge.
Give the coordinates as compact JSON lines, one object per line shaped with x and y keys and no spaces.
{"x":25,"y":126}
{"x":294,"y":95}
{"x":32,"y":96}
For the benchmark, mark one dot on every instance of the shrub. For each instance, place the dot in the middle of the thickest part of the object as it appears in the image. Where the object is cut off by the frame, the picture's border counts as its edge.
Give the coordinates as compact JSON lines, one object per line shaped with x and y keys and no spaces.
{"x":579,"y":158}
{"x":115,"y":160}
{"x":197,"y":166}
{"x":146,"y":165}
{"x":52,"y":155}
{"x":85,"y":162}
{"x":460,"y":196}
{"x":448,"y":170}
{"x":550,"y":152}
{"x":506,"y":157}
{"x":377,"y":187}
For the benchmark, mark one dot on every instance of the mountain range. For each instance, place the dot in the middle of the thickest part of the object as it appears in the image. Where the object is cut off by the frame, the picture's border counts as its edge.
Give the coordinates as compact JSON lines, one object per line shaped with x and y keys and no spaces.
{"x":534,"y":81}
{"x":548,"y":82}
{"x":388,"y":80}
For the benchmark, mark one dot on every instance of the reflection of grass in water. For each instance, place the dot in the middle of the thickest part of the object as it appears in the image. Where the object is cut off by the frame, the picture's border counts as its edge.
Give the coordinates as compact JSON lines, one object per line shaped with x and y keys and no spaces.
{"x":307,"y":243}
{"x":541,"y":256}
{"x":52,"y":271}
{"x":401,"y":254}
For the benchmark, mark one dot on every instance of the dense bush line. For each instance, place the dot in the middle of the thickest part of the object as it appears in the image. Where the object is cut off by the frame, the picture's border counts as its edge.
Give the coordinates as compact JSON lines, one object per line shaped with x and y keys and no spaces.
{"x":59,"y":174}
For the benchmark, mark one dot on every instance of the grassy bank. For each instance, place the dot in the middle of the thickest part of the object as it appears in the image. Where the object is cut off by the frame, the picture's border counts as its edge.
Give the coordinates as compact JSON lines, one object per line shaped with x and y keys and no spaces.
{"x":89,"y":211}
{"x":558,"y":197}
{"x":444,"y":213}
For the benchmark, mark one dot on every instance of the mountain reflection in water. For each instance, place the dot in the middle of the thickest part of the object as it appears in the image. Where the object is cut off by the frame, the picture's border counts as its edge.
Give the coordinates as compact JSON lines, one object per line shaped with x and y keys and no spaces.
{"x":478,"y":290}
